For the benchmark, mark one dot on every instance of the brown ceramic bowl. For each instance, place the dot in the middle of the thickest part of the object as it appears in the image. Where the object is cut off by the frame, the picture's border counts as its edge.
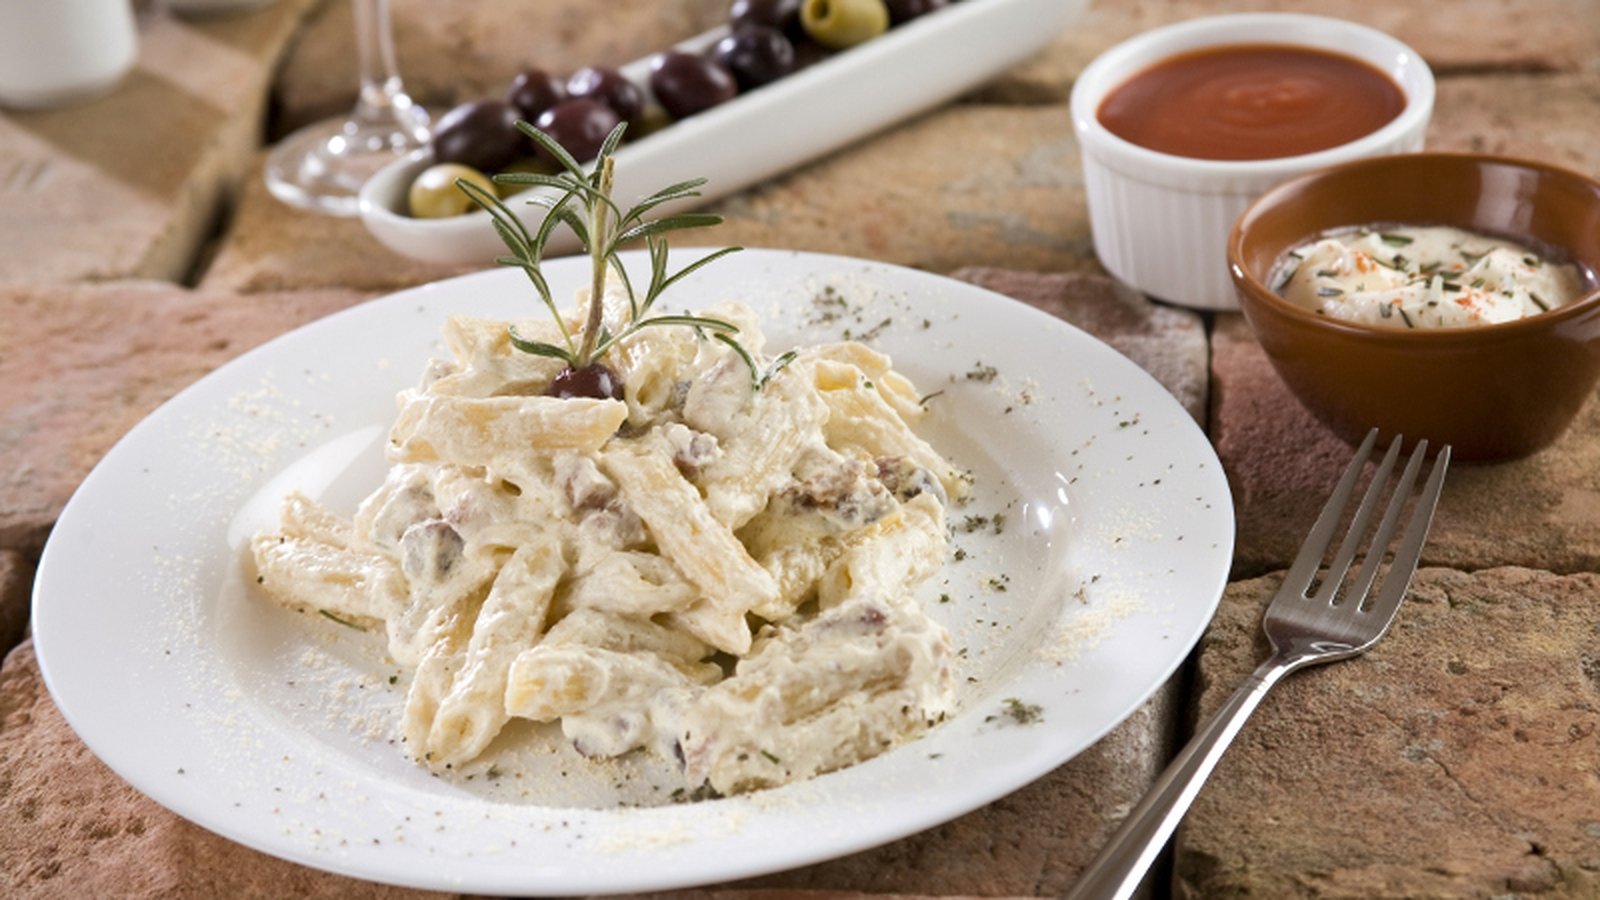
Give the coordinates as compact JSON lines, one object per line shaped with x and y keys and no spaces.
{"x":1493,"y":392}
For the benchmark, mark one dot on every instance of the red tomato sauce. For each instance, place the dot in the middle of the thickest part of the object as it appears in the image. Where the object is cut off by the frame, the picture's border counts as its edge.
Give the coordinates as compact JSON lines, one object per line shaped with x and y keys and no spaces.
{"x":1251,"y":101}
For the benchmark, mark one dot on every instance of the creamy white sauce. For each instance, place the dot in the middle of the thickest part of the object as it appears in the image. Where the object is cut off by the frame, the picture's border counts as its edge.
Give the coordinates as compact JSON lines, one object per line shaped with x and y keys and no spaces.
{"x":1424,"y":277}
{"x":548,"y":559}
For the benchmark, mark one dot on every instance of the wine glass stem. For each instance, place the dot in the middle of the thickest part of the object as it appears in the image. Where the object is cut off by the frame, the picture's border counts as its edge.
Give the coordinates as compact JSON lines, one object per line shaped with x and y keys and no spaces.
{"x":382,"y":96}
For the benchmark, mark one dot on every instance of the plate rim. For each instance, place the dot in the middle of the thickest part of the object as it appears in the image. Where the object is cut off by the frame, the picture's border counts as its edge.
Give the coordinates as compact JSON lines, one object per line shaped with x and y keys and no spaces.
{"x":47,"y":653}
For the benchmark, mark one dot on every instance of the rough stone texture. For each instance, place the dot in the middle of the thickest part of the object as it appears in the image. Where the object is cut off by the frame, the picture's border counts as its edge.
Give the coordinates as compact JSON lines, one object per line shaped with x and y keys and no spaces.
{"x":16,"y":590}
{"x":964,"y":185}
{"x":1034,"y":842}
{"x":129,"y":184}
{"x":448,"y":53}
{"x":967,"y":185}
{"x":468,"y":50}
{"x":78,"y":830}
{"x":1477,"y":777}
{"x":1481,"y":114}
{"x":74,"y":829}
{"x":1475,"y":35}
{"x":994,"y":180}
{"x":271,"y":246}
{"x":1281,"y":464}
{"x":80,"y":365}
{"x":1458,"y":758}
{"x":787,"y":894}
{"x":1168,"y":343}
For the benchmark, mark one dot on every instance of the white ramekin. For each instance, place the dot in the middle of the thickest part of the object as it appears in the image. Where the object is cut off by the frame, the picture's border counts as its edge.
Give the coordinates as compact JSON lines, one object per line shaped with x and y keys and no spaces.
{"x":1160,"y":221}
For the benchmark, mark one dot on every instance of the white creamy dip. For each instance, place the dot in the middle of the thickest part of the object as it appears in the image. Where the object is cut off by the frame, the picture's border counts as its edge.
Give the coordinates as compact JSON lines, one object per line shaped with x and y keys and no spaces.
{"x":1424,"y":277}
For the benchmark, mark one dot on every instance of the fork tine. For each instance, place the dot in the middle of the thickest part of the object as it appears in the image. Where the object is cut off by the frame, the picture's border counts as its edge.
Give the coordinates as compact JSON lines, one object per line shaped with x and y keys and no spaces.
{"x":1332,"y":578}
{"x":1391,"y":516}
{"x":1409,"y":553}
{"x":1311,"y":553}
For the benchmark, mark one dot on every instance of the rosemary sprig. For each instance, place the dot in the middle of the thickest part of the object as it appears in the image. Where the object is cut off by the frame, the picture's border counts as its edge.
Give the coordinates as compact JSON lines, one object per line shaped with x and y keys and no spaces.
{"x":582,"y":201}
{"x":758,"y":376}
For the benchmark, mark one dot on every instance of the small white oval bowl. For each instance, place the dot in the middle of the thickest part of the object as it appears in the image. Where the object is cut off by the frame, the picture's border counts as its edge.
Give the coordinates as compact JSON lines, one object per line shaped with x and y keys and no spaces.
{"x":1160,"y":221}
{"x":847,"y":96}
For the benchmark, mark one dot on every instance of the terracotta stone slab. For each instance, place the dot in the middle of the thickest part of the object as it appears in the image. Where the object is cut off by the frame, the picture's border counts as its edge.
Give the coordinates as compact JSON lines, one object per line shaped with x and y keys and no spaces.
{"x":1549,"y":118}
{"x":80,"y":365}
{"x":965,"y":185}
{"x":16,"y":589}
{"x":1543,"y":511}
{"x":978,"y":183}
{"x":79,"y":830}
{"x":271,"y":246}
{"x":469,"y":49}
{"x":74,"y":829}
{"x":1034,"y":842}
{"x":128,"y":185}
{"x":1167,"y":342}
{"x":1458,"y":758}
{"x":1475,"y":35}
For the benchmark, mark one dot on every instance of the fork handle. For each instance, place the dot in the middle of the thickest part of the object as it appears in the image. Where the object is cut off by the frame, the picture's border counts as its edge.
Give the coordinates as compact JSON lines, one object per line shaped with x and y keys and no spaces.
{"x":1122,"y":862}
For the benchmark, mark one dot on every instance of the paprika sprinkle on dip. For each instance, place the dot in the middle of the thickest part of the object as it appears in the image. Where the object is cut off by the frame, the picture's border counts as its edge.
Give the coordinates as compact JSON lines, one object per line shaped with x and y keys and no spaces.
{"x":1251,"y":101}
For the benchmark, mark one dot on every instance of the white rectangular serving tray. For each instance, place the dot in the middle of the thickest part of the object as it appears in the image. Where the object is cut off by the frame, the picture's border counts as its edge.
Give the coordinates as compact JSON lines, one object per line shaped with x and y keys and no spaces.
{"x":775,"y":128}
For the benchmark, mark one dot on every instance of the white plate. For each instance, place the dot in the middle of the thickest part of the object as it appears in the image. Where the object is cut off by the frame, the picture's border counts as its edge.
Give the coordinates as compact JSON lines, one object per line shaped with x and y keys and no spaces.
{"x":273,"y":728}
{"x":847,"y":96}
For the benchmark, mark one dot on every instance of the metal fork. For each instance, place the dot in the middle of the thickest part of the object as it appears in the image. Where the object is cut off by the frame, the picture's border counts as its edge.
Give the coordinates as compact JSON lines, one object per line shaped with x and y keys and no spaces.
{"x":1305,"y":628}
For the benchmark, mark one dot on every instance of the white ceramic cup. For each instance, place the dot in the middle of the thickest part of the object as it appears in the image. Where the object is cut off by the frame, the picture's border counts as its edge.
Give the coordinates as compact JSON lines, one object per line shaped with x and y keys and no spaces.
{"x":54,"y":52}
{"x":1161,"y":222}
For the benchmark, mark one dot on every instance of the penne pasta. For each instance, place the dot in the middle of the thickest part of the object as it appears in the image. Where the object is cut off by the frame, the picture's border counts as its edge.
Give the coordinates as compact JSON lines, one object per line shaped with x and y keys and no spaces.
{"x":721,"y":567}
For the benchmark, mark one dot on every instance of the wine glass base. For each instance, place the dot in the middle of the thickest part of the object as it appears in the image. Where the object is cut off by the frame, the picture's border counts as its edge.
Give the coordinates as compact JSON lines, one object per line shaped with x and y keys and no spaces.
{"x":322,"y":166}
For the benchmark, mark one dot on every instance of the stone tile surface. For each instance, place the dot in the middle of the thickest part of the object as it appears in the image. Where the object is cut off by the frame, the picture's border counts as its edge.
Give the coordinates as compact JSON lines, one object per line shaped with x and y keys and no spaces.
{"x":130,"y":184}
{"x":1539,"y":116}
{"x":271,"y":246}
{"x":1033,"y":842}
{"x":1475,"y":35}
{"x":16,"y":590}
{"x":1467,"y":740}
{"x":968,"y":184}
{"x":79,"y":830}
{"x":81,"y":364}
{"x":1458,"y":758}
{"x":1167,"y":342}
{"x":74,"y":829}
{"x":450,"y":53}
{"x":1542,"y":511}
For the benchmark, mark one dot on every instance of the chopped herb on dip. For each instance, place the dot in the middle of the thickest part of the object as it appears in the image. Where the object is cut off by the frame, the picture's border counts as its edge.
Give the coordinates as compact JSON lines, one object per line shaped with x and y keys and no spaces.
{"x":1423,"y":277}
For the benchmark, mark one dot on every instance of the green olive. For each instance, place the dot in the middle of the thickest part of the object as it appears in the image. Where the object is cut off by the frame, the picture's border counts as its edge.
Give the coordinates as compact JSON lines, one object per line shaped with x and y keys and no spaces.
{"x":838,"y":24}
{"x":434,"y":194}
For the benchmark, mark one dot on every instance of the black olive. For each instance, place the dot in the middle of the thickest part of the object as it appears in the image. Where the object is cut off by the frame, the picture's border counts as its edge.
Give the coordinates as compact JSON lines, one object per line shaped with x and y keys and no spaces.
{"x":482,"y":134}
{"x":595,"y":381}
{"x":608,"y":86}
{"x":906,"y":10}
{"x":755,"y":54}
{"x":686,"y":84}
{"x":533,"y":91}
{"x":783,"y":15}
{"x":579,"y":126}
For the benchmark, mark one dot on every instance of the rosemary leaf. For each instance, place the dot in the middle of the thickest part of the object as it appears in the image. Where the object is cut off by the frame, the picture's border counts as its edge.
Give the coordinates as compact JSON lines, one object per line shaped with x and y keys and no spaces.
{"x":537,"y":348}
{"x":706,"y":322}
{"x":668,"y":223}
